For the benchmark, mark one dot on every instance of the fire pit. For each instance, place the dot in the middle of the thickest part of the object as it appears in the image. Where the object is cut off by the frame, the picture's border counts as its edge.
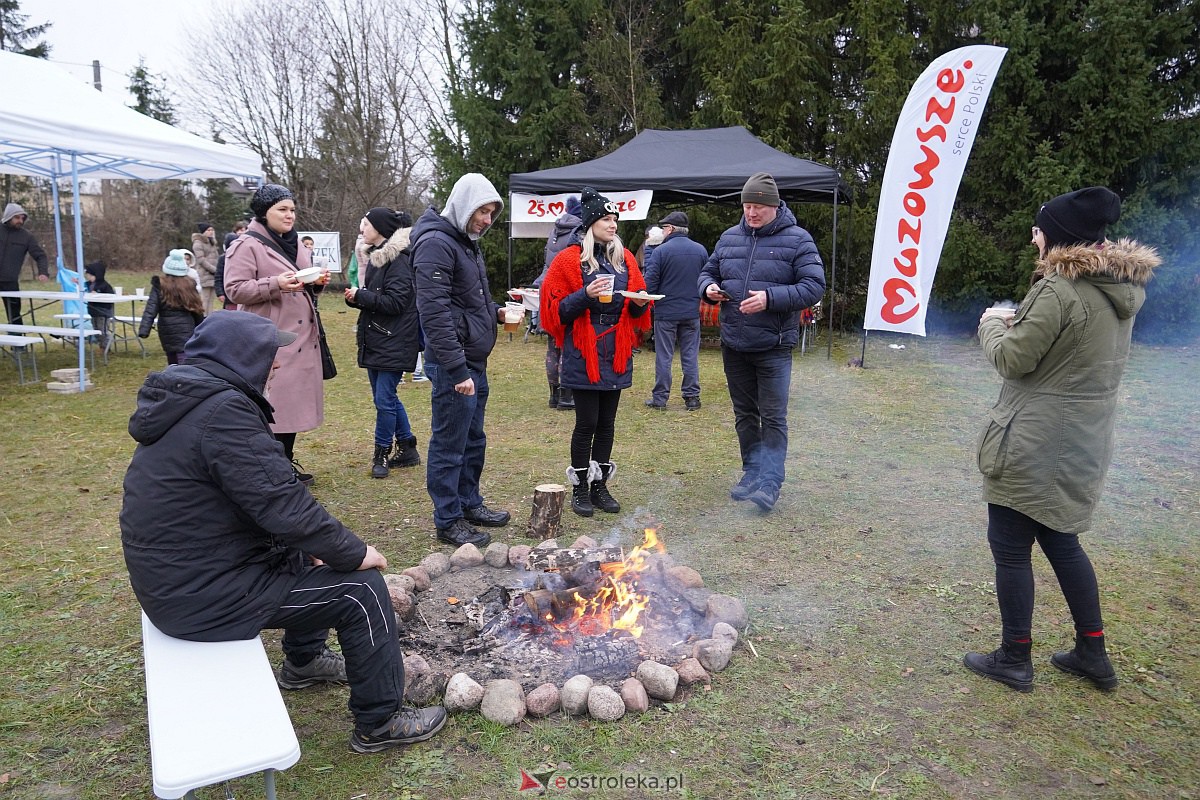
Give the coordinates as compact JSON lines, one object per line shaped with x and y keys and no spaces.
{"x":541,"y":617}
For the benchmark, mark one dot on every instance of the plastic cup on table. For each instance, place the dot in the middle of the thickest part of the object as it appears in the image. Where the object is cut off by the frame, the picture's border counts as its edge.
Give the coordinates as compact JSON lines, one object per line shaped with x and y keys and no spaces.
{"x":141,"y":292}
{"x":118,"y":290}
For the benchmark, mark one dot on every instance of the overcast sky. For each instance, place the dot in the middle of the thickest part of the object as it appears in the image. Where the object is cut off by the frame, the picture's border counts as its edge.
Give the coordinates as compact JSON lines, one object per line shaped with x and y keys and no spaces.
{"x":117,"y":32}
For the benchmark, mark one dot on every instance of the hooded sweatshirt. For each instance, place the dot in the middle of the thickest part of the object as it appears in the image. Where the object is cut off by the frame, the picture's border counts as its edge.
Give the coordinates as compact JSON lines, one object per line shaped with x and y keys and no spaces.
{"x":214,"y":525}
{"x":454,"y":300}
{"x":15,"y":244}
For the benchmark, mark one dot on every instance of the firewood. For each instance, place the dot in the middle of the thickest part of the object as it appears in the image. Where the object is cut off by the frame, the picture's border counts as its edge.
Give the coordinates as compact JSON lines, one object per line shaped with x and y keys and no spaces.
{"x":546,"y":517}
{"x":567,"y":558}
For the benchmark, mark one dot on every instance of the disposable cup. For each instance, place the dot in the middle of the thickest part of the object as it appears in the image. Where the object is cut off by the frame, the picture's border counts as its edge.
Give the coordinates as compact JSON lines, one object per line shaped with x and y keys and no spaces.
{"x":513,"y":314}
{"x":118,"y":290}
{"x":141,"y":292}
{"x":606,"y":292}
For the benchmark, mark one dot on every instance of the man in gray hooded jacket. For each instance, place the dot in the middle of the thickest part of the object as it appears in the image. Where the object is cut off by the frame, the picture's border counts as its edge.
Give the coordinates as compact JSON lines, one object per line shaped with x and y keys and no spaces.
{"x":459,"y":319}
{"x":15,"y":244}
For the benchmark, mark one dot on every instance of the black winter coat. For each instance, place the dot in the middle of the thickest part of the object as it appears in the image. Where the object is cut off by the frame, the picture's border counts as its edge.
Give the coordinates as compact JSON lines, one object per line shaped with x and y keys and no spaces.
{"x":779,"y":258}
{"x":175,"y":325}
{"x":389,"y":333}
{"x":214,"y":525}
{"x":456,"y":307}
{"x":15,"y":244}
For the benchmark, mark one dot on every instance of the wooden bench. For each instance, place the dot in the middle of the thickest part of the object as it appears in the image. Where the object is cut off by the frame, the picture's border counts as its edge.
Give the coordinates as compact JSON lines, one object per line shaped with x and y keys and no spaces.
{"x":16,"y":348}
{"x":215,"y":714}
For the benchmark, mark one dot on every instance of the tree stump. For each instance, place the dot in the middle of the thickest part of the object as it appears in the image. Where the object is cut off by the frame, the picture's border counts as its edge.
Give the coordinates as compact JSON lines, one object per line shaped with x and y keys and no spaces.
{"x":547,"y":511}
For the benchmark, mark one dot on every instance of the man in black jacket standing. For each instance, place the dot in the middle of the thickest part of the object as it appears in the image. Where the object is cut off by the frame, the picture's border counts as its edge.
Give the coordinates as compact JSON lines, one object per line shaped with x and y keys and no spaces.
{"x":221,"y":540}
{"x":459,"y":318}
{"x":15,"y":244}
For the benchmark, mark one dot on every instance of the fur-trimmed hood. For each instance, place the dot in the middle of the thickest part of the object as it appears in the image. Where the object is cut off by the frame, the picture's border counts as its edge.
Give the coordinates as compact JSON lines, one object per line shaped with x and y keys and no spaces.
{"x":386,"y":252}
{"x":1123,"y":261}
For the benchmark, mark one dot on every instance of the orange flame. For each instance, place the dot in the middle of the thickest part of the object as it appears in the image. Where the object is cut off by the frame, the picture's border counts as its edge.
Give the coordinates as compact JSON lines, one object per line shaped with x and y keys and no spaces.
{"x":618,"y":604}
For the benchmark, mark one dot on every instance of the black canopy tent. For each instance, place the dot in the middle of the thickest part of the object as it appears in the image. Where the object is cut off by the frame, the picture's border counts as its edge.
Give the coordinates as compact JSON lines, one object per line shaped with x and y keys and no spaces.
{"x":694,"y":166}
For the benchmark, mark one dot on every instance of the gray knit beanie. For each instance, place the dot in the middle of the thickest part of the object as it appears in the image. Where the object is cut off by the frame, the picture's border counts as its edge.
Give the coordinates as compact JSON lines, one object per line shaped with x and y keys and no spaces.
{"x":761,"y":189}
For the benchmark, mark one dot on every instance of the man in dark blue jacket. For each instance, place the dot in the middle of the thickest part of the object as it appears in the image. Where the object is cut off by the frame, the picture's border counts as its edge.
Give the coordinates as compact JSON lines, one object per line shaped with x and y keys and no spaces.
{"x":221,"y":540}
{"x":459,"y":318}
{"x":15,"y":244}
{"x":673,"y":269}
{"x":764,"y":271}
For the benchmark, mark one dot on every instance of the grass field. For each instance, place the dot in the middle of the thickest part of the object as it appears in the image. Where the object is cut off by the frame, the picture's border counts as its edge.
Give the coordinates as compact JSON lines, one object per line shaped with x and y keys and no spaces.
{"x":865,"y":587}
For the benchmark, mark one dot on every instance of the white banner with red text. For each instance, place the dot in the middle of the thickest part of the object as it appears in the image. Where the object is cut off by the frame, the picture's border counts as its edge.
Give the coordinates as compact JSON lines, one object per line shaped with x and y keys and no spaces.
{"x":532,"y":215}
{"x":929,"y":152}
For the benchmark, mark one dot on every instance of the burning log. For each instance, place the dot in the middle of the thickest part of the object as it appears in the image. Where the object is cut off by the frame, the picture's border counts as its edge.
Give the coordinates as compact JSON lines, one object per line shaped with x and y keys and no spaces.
{"x":568,"y":558}
{"x":545,"y":604}
{"x":547,"y":511}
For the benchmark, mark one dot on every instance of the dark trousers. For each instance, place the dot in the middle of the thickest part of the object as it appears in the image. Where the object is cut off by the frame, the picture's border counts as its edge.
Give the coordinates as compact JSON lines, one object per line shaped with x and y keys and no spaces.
{"x":288,"y":440}
{"x":553,"y":361}
{"x":1011,"y":535}
{"x":357,"y":605}
{"x":12,"y":305}
{"x":595,"y":426}
{"x":758,"y":387}
{"x":457,"y":445}
{"x":667,"y":334}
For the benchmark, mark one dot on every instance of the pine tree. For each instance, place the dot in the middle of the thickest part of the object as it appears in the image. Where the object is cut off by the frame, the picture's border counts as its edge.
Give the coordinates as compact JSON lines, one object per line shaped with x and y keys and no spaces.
{"x":16,"y":37}
{"x":150,"y":94}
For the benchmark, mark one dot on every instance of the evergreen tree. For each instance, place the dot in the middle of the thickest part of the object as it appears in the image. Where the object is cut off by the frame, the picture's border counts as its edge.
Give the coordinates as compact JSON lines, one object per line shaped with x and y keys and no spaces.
{"x":16,"y":36}
{"x":150,"y":94}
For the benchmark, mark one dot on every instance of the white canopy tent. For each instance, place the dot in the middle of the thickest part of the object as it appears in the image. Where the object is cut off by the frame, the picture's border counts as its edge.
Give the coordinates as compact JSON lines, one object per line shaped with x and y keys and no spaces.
{"x":53,"y":126}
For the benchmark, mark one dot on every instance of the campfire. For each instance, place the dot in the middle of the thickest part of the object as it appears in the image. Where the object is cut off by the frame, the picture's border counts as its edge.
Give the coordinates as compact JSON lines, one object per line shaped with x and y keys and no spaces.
{"x":545,"y":615}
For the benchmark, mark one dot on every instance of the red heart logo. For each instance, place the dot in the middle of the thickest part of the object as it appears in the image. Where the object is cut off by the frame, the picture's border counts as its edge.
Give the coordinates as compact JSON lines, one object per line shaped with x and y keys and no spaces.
{"x":892,"y":291}
{"x":556,"y":209}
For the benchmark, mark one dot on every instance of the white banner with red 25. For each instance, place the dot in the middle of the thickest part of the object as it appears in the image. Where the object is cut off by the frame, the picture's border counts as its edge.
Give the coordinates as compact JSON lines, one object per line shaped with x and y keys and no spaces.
{"x":549,"y":207}
{"x":929,"y":151}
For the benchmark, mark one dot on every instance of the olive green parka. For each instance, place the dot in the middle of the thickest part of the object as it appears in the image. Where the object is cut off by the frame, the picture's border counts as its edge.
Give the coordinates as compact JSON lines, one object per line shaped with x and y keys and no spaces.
{"x":1048,"y":440}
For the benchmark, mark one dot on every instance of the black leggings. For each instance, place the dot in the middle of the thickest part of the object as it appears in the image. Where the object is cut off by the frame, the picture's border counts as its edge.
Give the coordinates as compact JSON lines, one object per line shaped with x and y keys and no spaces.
{"x":1011,"y":535}
{"x":288,"y":440}
{"x":595,"y":423}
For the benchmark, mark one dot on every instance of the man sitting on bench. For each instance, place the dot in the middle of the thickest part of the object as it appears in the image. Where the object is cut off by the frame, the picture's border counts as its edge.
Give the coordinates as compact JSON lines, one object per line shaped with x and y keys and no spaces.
{"x":222,"y":541}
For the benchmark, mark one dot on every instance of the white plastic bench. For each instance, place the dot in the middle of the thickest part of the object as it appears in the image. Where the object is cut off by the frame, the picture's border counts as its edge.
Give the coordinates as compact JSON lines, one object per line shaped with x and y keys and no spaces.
{"x":17,"y":347}
{"x":215,"y":714}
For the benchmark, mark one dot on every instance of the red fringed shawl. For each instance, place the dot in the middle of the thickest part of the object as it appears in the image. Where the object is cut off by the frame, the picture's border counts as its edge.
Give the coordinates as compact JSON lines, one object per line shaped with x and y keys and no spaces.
{"x":565,"y":277}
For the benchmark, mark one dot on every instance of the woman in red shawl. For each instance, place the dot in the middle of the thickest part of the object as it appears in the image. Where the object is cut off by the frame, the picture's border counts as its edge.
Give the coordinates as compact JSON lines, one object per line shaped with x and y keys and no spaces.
{"x":597,"y":340}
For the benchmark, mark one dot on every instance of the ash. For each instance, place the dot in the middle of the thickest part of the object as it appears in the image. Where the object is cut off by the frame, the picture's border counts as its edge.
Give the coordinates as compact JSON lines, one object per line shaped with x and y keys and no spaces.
{"x":488,"y":633}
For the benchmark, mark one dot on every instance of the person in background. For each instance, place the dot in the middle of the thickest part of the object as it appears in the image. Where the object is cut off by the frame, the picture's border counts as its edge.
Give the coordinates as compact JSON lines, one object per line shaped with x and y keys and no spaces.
{"x":239,"y":228}
{"x":597,"y":329}
{"x":459,"y":318}
{"x":221,"y":542}
{"x":352,"y":267}
{"x":176,"y":306}
{"x":101,"y":313}
{"x":204,"y":246}
{"x":260,"y":276}
{"x":387,"y":332}
{"x":673,"y":269}
{"x":15,"y":244}
{"x":1048,"y":440}
{"x":763,"y":272}
{"x":566,"y":231}
{"x":654,"y":237}
{"x":308,"y":242}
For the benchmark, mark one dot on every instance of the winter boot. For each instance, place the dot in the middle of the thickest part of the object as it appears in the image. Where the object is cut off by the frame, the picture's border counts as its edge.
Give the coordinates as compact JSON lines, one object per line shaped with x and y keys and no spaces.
{"x":600,"y":496}
{"x":1010,"y":664}
{"x":1088,"y":660}
{"x":406,"y":453}
{"x":554,"y":395}
{"x":581,"y":500}
{"x":379,"y":463}
{"x":566,"y":399}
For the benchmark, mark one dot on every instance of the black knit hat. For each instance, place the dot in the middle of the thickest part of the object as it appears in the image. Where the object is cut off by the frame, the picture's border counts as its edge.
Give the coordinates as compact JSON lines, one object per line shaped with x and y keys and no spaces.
{"x":760,"y":188}
{"x":595,"y":206}
{"x":1079,"y":217}
{"x":268,"y":195}
{"x":201,"y":227}
{"x":387,"y":221}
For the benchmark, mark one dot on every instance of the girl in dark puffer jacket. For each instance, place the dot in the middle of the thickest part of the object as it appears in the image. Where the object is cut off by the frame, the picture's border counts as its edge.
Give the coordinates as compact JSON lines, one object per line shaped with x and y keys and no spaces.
{"x":176,"y":304}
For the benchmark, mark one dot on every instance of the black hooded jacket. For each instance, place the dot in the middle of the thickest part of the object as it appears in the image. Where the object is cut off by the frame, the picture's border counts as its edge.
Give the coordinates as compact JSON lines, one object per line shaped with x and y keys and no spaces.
{"x":214,"y":525}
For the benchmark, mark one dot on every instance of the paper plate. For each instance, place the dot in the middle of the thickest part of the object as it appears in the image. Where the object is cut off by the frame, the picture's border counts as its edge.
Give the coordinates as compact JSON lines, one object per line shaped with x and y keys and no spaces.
{"x":640,"y":295}
{"x":308,"y":275}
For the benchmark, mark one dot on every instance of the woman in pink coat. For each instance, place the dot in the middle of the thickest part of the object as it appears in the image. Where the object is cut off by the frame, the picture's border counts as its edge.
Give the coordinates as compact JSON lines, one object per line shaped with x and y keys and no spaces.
{"x":260,"y":276}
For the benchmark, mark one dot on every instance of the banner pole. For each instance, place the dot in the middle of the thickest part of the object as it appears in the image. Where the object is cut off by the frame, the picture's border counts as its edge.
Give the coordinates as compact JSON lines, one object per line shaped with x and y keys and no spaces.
{"x":862,"y":359}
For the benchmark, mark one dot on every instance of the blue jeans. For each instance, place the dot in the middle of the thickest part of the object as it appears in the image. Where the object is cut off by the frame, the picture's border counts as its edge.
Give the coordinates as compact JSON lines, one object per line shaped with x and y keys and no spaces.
{"x":668,"y":333}
{"x":457,"y":445}
{"x":391,"y":420}
{"x":758,"y":388}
